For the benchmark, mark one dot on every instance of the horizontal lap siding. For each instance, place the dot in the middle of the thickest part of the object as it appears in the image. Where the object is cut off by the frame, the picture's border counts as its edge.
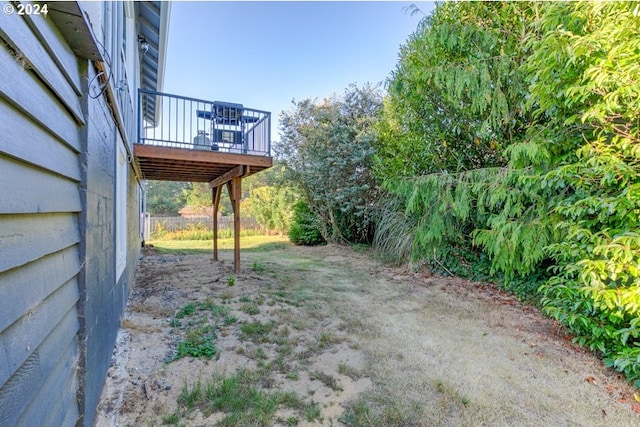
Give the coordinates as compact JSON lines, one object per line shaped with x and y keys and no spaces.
{"x":30,"y":389}
{"x":41,"y":137}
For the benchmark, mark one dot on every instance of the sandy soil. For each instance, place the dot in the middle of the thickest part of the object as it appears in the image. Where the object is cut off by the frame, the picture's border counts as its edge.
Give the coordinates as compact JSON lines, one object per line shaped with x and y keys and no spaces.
{"x":364,"y":343}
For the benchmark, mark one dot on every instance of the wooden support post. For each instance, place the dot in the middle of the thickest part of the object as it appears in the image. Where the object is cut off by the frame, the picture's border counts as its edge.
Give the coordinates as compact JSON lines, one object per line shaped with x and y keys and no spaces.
{"x":216,"y":193}
{"x":234,"y":186}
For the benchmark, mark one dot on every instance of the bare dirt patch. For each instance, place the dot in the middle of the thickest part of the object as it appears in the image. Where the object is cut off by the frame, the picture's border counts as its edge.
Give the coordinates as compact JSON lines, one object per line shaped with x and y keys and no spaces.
{"x":328,"y":336}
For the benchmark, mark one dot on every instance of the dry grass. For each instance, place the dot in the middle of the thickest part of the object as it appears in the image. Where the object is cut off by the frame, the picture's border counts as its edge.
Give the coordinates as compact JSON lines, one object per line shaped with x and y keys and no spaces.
{"x":360,"y":344}
{"x":139,"y":327}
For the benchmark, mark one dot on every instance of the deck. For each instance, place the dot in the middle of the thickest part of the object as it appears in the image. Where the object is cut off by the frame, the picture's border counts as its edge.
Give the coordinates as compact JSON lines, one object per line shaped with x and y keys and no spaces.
{"x":194,"y":140}
{"x":189,"y":165}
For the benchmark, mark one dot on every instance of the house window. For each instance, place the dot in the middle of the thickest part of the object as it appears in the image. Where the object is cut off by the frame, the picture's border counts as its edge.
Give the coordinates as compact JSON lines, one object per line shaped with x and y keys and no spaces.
{"x":122,"y":169}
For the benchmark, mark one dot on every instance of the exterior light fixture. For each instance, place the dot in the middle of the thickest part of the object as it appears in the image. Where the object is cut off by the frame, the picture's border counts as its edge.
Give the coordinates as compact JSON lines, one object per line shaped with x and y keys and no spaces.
{"x":144,"y":44}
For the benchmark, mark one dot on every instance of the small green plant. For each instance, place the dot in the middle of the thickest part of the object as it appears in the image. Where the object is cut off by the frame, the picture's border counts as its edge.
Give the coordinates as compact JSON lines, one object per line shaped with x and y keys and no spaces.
{"x":312,"y":412}
{"x":258,"y":267}
{"x":292,"y":421}
{"x":231,"y":281}
{"x":356,"y":413}
{"x":250,"y":309}
{"x":188,"y":398}
{"x":171,"y":419}
{"x":352,"y":373}
{"x":326,"y":339}
{"x":229,"y":320}
{"x":187,"y":310}
{"x":257,"y":331}
{"x":259,"y":354}
{"x":198,"y":343}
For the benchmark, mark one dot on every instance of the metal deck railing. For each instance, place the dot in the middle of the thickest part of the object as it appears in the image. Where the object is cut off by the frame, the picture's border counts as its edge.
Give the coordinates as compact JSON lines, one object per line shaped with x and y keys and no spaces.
{"x":189,"y":123}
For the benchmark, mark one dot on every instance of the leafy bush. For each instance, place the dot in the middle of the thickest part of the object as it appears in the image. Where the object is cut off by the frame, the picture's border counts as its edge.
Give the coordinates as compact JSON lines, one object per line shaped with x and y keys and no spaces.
{"x":517,"y":131}
{"x":305,"y":226}
{"x":595,"y":289}
{"x":449,"y":117}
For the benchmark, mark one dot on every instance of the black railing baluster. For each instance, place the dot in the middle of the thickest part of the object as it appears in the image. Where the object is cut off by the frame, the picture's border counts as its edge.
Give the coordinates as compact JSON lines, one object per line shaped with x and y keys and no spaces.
{"x":231,"y":127}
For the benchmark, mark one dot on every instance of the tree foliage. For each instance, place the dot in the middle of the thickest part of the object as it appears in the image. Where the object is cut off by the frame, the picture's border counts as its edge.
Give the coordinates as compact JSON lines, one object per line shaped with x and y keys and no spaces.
{"x":513,"y":128}
{"x":596,"y":289}
{"x":198,"y":195}
{"x":269,"y":198}
{"x":271,"y":206}
{"x":327,"y":147}
{"x":456,"y":102}
{"x":165,"y":198}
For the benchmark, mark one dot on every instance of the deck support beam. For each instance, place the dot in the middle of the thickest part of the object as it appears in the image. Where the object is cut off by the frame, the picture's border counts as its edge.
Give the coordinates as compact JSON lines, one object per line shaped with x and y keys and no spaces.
{"x":234,"y":186}
{"x":228,"y":176}
{"x":233,"y":181}
{"x":215,"y":195}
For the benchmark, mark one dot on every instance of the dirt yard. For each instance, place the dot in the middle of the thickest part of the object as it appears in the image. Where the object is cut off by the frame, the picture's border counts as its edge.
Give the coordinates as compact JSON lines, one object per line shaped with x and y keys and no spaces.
{"x":326,"y":336}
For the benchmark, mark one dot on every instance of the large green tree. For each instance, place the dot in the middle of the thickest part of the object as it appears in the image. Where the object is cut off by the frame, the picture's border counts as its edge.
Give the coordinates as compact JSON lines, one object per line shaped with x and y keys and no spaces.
{"x":198,"y":196}
{"x":165,"y":198}
{"x":457,"y":100}
{"x":327,"y":148}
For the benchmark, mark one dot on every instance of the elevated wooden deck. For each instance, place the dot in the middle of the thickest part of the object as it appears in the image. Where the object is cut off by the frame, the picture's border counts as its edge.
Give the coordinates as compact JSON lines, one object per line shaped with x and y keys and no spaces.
{"x":194,"y":140}
{"x":216,"y":168}
{"x":189,"y":165}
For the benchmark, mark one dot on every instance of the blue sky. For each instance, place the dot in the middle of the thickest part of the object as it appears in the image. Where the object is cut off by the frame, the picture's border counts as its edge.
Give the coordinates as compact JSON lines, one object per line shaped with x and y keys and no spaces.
{"x":264,"y":54}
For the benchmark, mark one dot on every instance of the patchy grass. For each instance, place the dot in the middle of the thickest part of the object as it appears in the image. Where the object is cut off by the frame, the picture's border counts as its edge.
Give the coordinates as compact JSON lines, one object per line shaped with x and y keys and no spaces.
{"x":257,"y":331}
{"x":344,"y":369}
{"x":241,"y":400}
{"x":326,"y":379}
{"x":197,"y":323}
{"x":327,"y":339}
{"x":250,"y":308}
{"x":199,"y":342}
{"x":379,"y":409}
{"x":343,"y":332}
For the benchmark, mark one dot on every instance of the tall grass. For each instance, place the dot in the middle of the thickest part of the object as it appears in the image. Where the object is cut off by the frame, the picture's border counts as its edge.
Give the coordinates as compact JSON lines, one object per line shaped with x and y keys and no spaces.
{"x":394,"y":235}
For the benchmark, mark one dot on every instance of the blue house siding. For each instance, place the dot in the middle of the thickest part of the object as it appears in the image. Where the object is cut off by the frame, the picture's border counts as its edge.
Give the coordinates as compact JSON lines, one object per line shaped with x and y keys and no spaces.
{"x":40,"y":206}
{"x":60,"y":299}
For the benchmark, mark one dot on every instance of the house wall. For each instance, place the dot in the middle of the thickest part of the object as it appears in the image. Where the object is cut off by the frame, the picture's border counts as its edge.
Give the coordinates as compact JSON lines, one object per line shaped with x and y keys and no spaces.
{"x":40,"y":204}
{"x":106,"y":292}
{"x":61,"y":298}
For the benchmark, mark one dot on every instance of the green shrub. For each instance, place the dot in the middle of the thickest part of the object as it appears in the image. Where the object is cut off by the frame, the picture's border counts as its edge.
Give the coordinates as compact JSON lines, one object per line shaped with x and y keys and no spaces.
{"x":305,"y":226}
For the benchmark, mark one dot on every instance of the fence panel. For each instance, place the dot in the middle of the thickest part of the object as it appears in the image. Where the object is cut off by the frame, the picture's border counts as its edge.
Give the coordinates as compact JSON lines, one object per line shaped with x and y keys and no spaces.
{"x":174,"y":224}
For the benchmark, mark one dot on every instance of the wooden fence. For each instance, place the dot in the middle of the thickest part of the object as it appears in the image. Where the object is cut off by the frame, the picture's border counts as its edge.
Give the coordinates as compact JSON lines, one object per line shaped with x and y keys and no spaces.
{"x":158,"y":224}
